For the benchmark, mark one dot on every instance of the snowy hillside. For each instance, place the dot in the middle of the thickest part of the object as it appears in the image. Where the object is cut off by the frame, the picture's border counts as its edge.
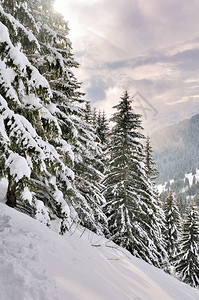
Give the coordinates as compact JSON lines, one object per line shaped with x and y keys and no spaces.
{"x":184,"y":190}
{"x":38,"y":264}
{"x":190,"y":176}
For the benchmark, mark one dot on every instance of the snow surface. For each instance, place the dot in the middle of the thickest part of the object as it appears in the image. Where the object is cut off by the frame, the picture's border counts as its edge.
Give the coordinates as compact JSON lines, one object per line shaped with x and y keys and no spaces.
{"x":162,"y":187}
{"x":18,"y":166}
{"x":3,"y":189}
{"x":38,"y":264}
{"x":190,"y":177}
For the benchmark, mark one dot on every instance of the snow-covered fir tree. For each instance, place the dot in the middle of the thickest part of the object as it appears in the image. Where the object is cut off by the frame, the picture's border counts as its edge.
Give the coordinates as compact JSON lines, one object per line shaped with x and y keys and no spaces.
{"x":76,"y":121}
{"x":74,"y":116}
{"x":152,"y":174}
{"x":187,"y":262}
{"x":88,"y":166}
{"x":88,"y":177}
{"x":88,"y":116}
{"x":42,"y":113}
{"x":94,"y":117}
{"x":171,"y":229}
{"x":32,"y":164}
{"x":102,"y":131}
{"x":151,"y":170}
{"x":102,"y":128}
{"x":131,"y":206}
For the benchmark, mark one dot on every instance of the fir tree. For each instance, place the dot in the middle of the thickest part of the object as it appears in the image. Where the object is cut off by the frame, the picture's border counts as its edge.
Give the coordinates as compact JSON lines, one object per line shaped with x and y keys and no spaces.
{"x":74,"y":117}
{"x":151,"y":175}
{"x":31,"y":163}
{"x":187,"y":262}
{"x":151,"y":171}
{"x":88,"y":113}
{"x":102,"y":128}
{"x":171,"y":229}
{"x":131,"y":207}
{"x":94,"y":117}
{"x":88,"y":200}
{"x":42,"y":116}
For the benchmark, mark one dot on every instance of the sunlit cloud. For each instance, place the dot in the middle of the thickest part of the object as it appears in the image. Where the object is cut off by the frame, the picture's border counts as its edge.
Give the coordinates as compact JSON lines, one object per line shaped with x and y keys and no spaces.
{"x":135,"y":45}
{"x":182,"y":100}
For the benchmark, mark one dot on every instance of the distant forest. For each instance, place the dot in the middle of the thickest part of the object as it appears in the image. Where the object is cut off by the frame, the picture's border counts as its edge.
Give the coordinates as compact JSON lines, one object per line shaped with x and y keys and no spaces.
{"x":176,"y":149}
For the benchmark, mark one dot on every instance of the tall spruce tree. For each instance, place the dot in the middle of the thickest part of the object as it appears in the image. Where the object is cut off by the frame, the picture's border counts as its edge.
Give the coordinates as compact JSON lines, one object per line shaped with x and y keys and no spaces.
{"x":31,"y":163}
{"x":171,"y":229}
{"x":42,"y":91}
{"x":151,"y":170}
{"x":187,"y":262}
{"x":74,"y":116}
{"x":151,"y":175}
{"x":94,"y":117}
{"x":89,"y":199}
{"x":88,"y":116}
{"x":102,"y":128}
{"x":131,"y":207}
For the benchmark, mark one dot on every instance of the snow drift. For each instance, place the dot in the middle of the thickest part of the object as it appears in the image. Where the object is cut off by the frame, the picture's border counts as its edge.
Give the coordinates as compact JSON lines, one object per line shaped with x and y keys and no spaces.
{"x":38,"y":264}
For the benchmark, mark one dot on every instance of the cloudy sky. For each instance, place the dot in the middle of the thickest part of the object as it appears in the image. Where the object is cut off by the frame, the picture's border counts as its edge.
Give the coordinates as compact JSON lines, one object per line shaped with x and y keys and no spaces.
{"x":150,"y":48}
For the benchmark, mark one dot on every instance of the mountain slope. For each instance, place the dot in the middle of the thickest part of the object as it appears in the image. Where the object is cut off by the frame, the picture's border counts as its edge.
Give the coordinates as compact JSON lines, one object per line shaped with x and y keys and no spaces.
{"x":38,"y":264}
{"x":176,"y":149}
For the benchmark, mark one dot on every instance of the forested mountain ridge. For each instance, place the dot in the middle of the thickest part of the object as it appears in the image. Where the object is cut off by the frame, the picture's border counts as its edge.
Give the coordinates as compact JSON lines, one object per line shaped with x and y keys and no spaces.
{"x":176,"y":149}
{"x":184,"y":190}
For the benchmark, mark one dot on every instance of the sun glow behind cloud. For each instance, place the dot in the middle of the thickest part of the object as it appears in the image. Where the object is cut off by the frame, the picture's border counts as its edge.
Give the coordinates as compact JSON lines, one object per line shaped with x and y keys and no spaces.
{"x":71,"y":10}
{"x":136,"y":46}
{"x":67,"y":10}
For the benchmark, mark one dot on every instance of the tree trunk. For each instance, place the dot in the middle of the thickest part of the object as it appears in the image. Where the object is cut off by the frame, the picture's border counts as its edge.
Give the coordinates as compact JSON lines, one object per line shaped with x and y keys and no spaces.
{"x":11,"y":196}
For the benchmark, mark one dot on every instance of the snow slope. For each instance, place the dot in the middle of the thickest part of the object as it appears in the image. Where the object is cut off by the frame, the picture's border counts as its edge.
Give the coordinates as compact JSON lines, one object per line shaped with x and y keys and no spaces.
{"x":36,"y":263}
{"x":162,"y":187}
